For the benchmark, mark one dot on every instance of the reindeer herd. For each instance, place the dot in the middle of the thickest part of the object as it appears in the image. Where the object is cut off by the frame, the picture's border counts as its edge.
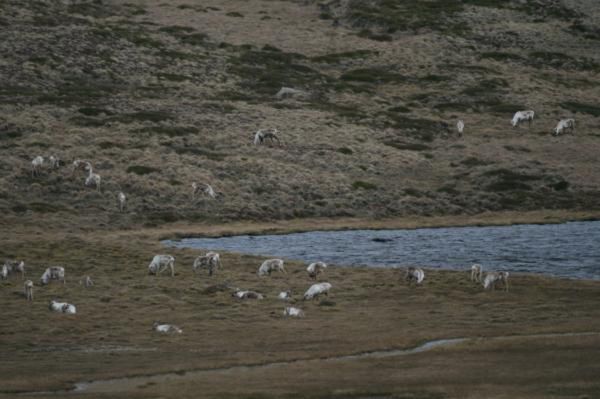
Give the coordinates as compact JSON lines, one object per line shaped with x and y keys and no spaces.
{"x":211,"y":261}
{"x":520,"y":117}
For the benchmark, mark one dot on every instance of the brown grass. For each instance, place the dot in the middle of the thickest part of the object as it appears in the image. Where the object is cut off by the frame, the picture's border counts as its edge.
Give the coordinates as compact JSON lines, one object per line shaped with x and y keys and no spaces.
{"x":371,"y":309}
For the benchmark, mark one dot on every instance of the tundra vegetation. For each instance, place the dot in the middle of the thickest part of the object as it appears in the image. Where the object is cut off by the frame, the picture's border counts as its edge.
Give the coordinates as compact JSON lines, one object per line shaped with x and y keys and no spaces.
{"x":157,"y":95}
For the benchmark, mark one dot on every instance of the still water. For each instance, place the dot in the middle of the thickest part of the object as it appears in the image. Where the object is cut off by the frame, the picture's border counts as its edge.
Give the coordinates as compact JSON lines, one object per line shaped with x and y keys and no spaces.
{"x":566,"y":250}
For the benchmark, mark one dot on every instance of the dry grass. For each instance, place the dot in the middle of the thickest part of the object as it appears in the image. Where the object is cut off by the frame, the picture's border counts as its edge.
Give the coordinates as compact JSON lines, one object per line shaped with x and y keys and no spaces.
{"x":111,"y":334}
{"x":175,"y":90}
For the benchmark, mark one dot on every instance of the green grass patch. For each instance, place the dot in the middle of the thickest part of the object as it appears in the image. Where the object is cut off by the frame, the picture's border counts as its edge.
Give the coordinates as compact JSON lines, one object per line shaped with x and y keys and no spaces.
{"x":508,"y":180}
{"x":500,"y":56}
{"x":363,"y":185}
{"x":375,"y":75}
{"x":92,"y":111}
{"x":584,"y":108}
{"x":336,"y":58}
{"x":407,"y":146}
{"x":177,"y":30}
{"x":472,"y":161}
{"x":142,"y":170}
{"x":141,"y":116}
{"x":172,"y":77}
{"x":171,"y":131}
{"x":212,"y":155}
{"x":263,"y":73}
{"x":485,"y":87}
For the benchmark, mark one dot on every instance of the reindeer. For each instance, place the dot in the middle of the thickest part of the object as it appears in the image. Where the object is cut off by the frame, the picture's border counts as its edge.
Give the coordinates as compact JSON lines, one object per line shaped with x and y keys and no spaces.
{"x":262,"y":134}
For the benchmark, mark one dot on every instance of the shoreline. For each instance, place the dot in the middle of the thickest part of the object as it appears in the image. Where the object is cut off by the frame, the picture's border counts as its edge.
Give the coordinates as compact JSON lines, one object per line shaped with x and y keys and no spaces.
{"x":178,"y":231}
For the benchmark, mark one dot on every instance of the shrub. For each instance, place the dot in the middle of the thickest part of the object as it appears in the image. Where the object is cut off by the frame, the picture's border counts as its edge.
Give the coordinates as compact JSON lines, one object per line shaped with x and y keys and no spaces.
{"x":141,"y":170}
{"x":359,"y":184}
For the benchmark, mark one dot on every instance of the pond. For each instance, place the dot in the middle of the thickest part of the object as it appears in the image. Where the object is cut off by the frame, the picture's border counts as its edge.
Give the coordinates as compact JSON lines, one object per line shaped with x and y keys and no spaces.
{"x":566,"y":250}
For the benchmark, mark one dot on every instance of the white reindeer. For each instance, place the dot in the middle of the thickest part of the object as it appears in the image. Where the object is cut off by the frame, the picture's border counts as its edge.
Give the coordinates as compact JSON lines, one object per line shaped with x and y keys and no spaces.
{"x":285,"y":295}
{"x":87,"y":282}
{"x":62,"y":307}
{"x":317,"y":290}
{"x":122,"y":201}
{"x":36,"y":165}
{"x":13,"y":266}
{"x":269,"y":266}
{"x":262,"y":134}
{"x":204,"y":188}
{"x":239,"y":294}
{"x":522,"y":116}
{"x":286,"y":92}
{"x":212,"y":261}
{"x":93,"y":179}
{"x":415,"y":274}
{"x":166,"y":328}
{"x":78,"y":164}
{"x":492,"y":278}
{"x":161,"y":263}
{"x":28,"y":289}
{"x":54,"y":162}
{"x":53,"y":273}
{"x":460,"y":125}
{"x":315,"y":268}
{"x":291,"y":311}
{"x":564,"y":125}
{"x":476,"y":272}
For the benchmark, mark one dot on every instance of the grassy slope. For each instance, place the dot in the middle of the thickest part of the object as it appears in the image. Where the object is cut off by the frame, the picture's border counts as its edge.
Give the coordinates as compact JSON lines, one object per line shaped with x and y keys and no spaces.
{"x":158,"y":95}
{"x":180,"y":87}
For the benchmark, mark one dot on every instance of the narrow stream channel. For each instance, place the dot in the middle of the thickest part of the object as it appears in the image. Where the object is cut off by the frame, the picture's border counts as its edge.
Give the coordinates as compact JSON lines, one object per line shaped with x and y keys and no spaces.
{"x":127,"y":384}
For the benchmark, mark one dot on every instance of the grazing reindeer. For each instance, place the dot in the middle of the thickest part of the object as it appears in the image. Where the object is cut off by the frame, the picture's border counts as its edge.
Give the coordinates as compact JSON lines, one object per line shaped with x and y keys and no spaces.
{"x":317,"y":290}
{"x":247,"y":295}
{"x":13,"y":266}
{"x":122,"y":201}
{"x":460,"y":125}
{"x":262,"y":134}
{"x":62,"y":307}
{"x":87,"y":282}
{"x":415,"y":274}
{"x":285,"y":295}
{"x":564,"y":125}
{"x":211,"y":261}
{"x":36,"y":165}
{"x":54,"y":162}
{"x":315,"y":268}
{"x":166,"y":328}
{"x":476,"y":272}
{"x":28,"y":289}
{"x":161,"y":263}
{"x":269,"y":266}
{"x":492,"y":278}
{"x":93,"y":179}
{"x":522,"y":116}
{"x":79,"y":164}
{"x":291,"y":311}
{"x":53,"y":273}
{"x":204,"y":188}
